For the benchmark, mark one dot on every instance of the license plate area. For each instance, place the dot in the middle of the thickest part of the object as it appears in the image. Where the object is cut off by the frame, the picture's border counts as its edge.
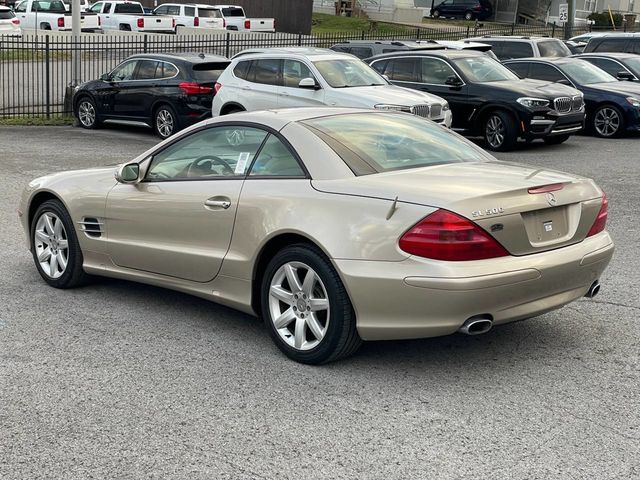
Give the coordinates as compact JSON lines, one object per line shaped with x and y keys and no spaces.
{"x":549,"y":225}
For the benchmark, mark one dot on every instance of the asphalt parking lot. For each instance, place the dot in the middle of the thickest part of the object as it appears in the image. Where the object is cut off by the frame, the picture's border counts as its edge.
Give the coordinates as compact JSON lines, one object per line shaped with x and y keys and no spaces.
{"x":119,"y":380}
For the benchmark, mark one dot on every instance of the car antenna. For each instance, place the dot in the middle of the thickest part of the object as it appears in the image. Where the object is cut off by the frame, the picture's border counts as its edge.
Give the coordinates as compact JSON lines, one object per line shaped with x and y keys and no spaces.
{"x":393,"y":208}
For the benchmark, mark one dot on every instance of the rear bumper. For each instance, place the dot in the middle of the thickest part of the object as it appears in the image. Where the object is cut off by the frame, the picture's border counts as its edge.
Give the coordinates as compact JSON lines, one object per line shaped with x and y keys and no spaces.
{"x":424,"y":298}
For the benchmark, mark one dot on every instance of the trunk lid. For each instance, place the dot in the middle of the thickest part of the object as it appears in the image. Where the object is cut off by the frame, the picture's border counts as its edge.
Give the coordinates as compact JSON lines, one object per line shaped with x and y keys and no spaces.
{"x":495,"y":195}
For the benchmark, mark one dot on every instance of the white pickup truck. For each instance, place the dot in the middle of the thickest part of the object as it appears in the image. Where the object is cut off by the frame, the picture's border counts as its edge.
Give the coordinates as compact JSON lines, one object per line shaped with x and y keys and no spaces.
{"x":235,"y":19}
{"x":130,"y":16}
{"x":52,"y":15}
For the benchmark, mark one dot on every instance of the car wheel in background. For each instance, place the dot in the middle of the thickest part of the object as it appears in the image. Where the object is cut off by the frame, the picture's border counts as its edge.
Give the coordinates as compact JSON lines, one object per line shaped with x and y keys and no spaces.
{"x":306,"y":307}
{"x":556,"y":139}
{"x":55,"y":248}
{"x":436,"y":14}
{"x":500,"y":131}
{"x":86,"y":113}
{"x":468,"y":15}
{"x":607,"y":121}
{"x":165,"y":121}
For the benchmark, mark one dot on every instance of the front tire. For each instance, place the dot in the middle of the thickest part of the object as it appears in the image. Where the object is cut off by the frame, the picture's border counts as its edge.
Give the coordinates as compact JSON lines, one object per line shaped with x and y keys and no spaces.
{"x":607,"y":122}
{"x":165,"y":122}
{"x":306,"y":307}
{"x":500,"y":131}
{"x":556,"y":139}
{"x":468,"y":16}
{"x":55,"y":248}
{"x":436,"y":14}
{"x":87,"y":113}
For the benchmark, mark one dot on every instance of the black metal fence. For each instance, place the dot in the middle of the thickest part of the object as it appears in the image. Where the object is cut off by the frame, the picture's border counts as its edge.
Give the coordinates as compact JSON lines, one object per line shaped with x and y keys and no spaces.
{"x":35,"y":70}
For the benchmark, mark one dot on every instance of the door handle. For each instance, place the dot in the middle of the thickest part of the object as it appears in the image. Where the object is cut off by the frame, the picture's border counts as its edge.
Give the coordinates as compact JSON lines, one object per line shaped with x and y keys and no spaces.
{"x":217,"y":203}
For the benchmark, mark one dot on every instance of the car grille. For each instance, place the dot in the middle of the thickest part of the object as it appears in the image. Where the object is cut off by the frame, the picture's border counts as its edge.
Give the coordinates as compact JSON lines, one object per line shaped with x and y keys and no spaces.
{"x":568,"y":104}
{"x":427,"y":111}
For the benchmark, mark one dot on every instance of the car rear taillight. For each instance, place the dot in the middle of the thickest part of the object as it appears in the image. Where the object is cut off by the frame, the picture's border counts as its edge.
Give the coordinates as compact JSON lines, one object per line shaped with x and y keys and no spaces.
{"x":141,"y":23}
{"x":173,"y":23}
{"x":196,"y":21}
{"x":217,"y":87}
{"x":192,"y":88}
{"x":247,"y":24}
{"x":601,"y":219}
{"x":444,"y":235}
{"x":552,"y":187}
{"x":15,"y":21}
{"x":477,"y":8}
{"x":60,"y":22}
{"x":99,"y":21}
{"x":224,"y":23}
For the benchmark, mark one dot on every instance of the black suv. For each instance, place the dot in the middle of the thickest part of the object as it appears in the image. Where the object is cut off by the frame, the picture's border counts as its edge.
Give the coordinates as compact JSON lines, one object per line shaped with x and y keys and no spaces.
{"x":370,"y":48}
{"x":467,"y":9}
{"x":486,"y":98}
{"x":616,"y":42}
{"x":164,"y":91}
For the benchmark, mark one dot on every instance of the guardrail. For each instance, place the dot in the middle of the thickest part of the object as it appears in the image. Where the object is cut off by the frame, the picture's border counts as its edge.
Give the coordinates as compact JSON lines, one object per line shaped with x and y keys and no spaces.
{"x":35,"y":70}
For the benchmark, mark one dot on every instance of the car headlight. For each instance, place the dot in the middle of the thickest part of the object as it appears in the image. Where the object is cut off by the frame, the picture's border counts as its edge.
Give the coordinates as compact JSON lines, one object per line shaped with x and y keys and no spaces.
{"x":533,"y":102}
{"x":634,"y":101}
{"x":445,"y":106}
{"x":392,"y":108}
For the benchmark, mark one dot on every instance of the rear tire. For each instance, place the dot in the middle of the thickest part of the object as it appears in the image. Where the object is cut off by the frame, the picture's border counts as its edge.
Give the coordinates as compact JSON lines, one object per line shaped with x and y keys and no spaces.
{"x":55,"y":248}
{"x":468,"y":15}
{"x":556,"y":139}
{"x":500,"y":131}
{"x":436,"y":14}
{"x":306,"y":307}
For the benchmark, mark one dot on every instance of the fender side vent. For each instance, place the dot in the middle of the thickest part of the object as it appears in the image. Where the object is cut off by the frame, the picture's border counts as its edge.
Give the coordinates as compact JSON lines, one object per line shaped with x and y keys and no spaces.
{"x":92,"y":227}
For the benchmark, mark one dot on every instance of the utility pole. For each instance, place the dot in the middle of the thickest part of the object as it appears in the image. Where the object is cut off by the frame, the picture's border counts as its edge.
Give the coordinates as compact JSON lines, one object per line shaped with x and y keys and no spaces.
{"x":75,"y":34}
{"x":568,"y":27}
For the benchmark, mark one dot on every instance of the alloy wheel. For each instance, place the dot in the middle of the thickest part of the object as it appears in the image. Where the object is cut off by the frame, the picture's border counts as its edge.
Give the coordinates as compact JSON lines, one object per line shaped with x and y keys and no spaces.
{"x":86,"y":113}
{"x":495,"y":131}
{"x":299,"y":305}
{"x":607,"y":122}
{"x":164,"y":123}
{"x":51,"y":245}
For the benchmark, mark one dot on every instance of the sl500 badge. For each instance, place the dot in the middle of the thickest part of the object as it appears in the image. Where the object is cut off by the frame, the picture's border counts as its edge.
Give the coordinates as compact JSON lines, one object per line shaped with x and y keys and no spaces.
{"x":487,"y":212}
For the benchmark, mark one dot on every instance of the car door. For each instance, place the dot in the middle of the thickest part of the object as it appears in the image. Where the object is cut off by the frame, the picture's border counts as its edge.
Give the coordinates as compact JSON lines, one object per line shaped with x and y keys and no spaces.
{"x":179,"y":220}
{"x":542,"y":71}
{"x":121,"y":98}
{"x":435,"y":76}
{"x":143,"y":90}
{"x":263,"y":81}
{"x":446,"y":8}
{"x":118,"y":78}
{"x":290,"y":94}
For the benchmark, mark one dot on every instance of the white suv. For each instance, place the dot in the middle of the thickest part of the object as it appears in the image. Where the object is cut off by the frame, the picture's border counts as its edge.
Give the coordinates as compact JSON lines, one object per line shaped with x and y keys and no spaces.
{"x":263,"y":79}
{"x":192,"y":15}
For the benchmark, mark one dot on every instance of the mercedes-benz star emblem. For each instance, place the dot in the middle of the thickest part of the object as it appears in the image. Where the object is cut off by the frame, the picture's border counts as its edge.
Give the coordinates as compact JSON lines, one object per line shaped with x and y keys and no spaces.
{"x":551,"y":199}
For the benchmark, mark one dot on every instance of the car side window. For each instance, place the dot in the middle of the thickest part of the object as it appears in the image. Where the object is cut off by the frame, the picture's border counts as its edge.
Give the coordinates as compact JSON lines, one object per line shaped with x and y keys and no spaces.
{"x":545,"y":72}
{"x":266,"y":71}
{"x":516,"y":50}
{"x":435,"y":71}
{"x":124,"y":71}
{"x":146,"y":69}
{"x":165,"y":70}
{"x":609,"y":66}
{"x":379,"y":66}
{"x":189,"y":11}
{"x":403,"y":70}
{"x":611,"y":45}
{"x":520,"y":69}
{"x":22,"y":7}
{"x":294,"y":71}
{"x":107,"y":8}
{"x":276,"y":160}
{"x":213,"y":153}
{"x":173,"y":10}
{"x":241,"y":69}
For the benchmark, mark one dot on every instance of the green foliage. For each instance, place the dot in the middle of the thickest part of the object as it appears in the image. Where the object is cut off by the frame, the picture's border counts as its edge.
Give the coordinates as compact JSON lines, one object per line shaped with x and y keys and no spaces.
{"x":38,"y":121}
{"x":603,"y":19}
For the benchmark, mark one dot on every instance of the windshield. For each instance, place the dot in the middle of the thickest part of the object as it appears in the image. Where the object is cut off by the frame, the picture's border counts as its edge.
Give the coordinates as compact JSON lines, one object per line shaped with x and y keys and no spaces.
{"x":348,"y":73}
{"x":380,"y":142}
{"x":633,"y":63}
{"x":553,"y":48}
{"x":585,"y":73}
{"x":483,"y":69}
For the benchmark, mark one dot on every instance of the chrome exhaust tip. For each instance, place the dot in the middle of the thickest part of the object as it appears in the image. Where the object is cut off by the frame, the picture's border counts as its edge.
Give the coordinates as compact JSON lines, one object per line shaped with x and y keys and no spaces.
{"x":476,"y":325}
{"x":594,"y":289}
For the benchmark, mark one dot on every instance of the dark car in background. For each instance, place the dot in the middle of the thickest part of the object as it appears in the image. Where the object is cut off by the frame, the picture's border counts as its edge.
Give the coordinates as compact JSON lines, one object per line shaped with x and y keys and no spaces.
{"x":623,"y":66}
{"x":164,"y":91}
{"x":369,"y":48}
{"x":614,"y":42}
{"x":505,"y":47}
{"x":486,"y":98}
{"x":612,"y":107}
{"x":467,"y":9}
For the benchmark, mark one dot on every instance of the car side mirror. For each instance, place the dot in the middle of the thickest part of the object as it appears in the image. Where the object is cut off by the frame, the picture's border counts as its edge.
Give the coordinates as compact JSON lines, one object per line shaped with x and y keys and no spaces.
{"x":564,"y":81}
{"x":128,"y":173}
{"x":453,"y":81}
{"x":308,"y":83}
{"x":626,"y":76}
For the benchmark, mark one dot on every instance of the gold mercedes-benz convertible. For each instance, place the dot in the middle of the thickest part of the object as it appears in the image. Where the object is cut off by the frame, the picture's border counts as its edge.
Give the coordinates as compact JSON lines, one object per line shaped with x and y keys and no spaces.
{"x":334,"y":225}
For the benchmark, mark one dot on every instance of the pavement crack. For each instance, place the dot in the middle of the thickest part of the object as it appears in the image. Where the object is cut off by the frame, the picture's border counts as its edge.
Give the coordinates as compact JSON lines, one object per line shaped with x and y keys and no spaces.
{"x":616,"y":304}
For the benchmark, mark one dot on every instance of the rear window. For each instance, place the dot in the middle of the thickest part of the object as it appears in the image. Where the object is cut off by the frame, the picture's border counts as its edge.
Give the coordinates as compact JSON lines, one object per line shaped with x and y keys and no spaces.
{"x":381,"y":142}
{"x":609,"y":44}
{"x":233,"y":12}
{"x":135,"y":8}
{"x":208,"y":72}
{"x":553,"y":48}
{"x":209,"y":13}
{"x":515,"y":50}
{"x":4,"y":14}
